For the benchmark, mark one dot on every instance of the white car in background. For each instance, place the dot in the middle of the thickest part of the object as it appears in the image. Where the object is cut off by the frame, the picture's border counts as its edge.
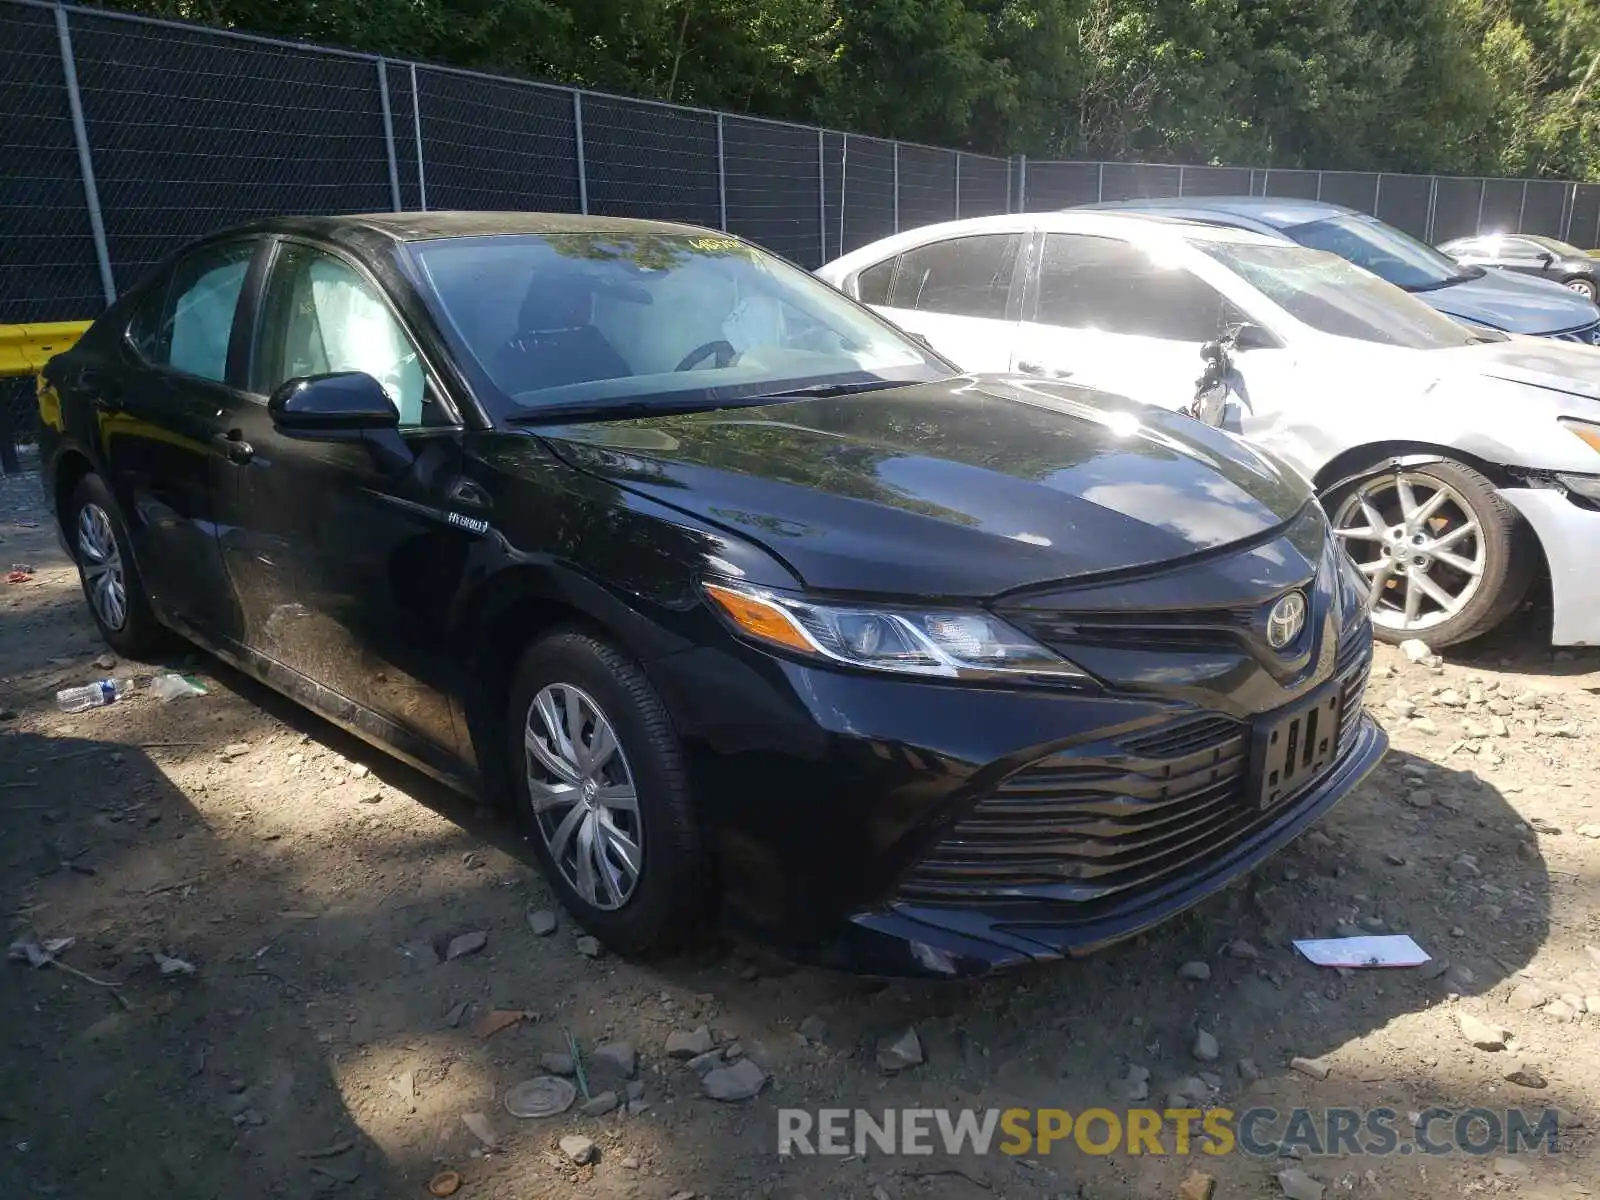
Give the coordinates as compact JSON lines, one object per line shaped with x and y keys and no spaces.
{"x":1450,"y":459}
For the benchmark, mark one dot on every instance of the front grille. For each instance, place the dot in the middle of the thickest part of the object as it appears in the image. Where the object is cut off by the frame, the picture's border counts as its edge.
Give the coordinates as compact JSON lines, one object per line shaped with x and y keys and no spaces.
{"x":1589,"y":335}
{"x":1116,"y":816}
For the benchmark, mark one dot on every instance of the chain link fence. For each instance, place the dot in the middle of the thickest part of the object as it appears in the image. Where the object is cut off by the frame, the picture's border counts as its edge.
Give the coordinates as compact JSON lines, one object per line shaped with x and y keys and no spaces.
{"x":125,"y":136}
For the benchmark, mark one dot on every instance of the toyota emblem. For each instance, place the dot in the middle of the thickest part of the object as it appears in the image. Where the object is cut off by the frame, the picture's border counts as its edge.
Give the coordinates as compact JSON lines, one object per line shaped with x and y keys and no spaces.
{"x":1286,"y":620}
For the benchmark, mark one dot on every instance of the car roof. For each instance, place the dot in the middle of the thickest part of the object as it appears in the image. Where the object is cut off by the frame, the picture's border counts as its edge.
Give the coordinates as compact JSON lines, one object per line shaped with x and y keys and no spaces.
{"x":1278,"y":211}
{"x":1136,"y":227}
{"x":426,"y":226}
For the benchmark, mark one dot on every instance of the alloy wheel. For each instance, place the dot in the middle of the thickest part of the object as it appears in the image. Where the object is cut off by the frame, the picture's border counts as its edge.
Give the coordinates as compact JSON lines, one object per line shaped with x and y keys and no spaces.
{"x":101,"y":563}
{"x":1419,"y":543}
{"x":583,"y":795}
{"x":1582,"y":287}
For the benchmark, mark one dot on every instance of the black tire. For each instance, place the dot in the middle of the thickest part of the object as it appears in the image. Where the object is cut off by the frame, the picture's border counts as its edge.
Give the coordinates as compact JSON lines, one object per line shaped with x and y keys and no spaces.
{"x":1586,"y":286}
{"x":667,"y":904}
{"x":1510,"y":557}
{"x":140,"y":635}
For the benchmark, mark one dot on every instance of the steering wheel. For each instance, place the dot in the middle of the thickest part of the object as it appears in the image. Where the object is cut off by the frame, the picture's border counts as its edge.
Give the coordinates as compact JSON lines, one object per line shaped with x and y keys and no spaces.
{"x":726,"y":355}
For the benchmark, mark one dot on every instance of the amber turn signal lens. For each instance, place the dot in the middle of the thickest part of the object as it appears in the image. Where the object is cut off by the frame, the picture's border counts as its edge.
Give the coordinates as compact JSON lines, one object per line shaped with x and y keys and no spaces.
{"x":1582,"y":430}
{"x":759,"y":618}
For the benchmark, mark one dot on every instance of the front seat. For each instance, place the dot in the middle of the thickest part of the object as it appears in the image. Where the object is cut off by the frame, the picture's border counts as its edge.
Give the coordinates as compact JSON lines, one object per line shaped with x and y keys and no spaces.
{"x":556,"y":344}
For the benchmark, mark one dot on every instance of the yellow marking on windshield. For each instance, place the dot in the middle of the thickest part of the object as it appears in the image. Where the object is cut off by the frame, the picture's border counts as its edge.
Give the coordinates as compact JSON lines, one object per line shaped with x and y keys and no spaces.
{"x":715,"y":243}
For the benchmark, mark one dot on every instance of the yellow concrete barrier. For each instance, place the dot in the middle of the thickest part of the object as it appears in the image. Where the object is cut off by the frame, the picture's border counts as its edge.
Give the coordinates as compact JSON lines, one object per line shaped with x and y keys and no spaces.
{"x":24,"y":349}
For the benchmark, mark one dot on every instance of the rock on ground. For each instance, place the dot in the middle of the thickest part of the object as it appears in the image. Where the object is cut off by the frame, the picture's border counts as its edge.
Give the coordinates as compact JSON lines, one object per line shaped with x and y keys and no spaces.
{"x":900,"y":1051}
{"x":740,"y":1081}
{"x":579,"y":1149}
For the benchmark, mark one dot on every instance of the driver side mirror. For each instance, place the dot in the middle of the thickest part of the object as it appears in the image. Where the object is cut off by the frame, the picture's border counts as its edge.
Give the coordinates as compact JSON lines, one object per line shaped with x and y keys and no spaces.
{"x":1546,"y":258}
{"x":332,"y":406}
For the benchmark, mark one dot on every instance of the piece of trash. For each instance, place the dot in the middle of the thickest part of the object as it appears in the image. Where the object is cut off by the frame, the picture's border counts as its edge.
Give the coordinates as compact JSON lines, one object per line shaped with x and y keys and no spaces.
{"x":39,"y":954}
{"x":93,"y":695}
{"x":18,"y":574}
{"x":176,"y":687}
{"x":445,"y":1183}
{"x":453,"y":1017}
{"x":541,"y":1096}
{"x":481,"y":1129}
{"x":1370,"y":950}
{"x":493,"y":1021}
{"x":173,"y":966}
{"x":297,"y":914}
{"x":405,"y":1086}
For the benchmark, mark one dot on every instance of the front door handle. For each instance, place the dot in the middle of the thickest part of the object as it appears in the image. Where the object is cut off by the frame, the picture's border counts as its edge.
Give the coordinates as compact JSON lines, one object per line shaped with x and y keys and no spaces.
{"x":233,"y":447}
{"x":1029,"y":367}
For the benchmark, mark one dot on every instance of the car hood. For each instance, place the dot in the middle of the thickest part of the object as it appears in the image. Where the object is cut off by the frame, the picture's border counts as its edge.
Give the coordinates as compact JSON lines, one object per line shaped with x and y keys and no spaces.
{"x":966,"y":487}
{"x":1538,"y":362}
{"x":1513,"y":303}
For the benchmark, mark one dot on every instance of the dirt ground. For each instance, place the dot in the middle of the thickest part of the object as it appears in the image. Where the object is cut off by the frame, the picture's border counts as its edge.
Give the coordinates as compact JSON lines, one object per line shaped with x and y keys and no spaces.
{"x":321,"y":1047}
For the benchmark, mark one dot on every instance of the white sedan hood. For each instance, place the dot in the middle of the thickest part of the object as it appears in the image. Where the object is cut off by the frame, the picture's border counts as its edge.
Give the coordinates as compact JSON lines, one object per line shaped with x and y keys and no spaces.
{"x":1539,"y":362}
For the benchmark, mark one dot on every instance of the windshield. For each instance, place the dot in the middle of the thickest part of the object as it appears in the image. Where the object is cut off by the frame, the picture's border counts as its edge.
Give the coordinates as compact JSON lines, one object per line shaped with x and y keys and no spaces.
{"x":613,"y":319}
{"x":1334,"y":296}
{"x":1558,"y":247}
{"x":1382,"y":249}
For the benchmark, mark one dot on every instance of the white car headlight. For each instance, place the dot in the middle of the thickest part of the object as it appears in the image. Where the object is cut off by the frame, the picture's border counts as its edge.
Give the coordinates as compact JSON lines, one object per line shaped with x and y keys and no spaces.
{"x":951,"y":643}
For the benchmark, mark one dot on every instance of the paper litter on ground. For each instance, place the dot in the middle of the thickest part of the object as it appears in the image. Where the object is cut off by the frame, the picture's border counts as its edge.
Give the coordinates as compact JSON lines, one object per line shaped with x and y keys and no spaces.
{"x":1373,"y":950}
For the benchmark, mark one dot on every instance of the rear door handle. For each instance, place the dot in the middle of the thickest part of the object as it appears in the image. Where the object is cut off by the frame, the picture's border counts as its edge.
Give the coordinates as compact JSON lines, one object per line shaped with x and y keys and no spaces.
{"x":233,"y":447}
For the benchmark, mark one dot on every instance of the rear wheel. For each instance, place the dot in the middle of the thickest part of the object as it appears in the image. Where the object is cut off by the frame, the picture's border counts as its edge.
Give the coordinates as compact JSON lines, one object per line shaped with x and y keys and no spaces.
{"x":110,"y":577}
{"x":1448,"y":559}
{"x":602,"y":790}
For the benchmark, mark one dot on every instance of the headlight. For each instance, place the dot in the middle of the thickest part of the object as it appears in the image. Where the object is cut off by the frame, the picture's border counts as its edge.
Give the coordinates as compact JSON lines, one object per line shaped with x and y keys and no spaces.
{"x":1587,"y":486}
{"x":952,"y":643}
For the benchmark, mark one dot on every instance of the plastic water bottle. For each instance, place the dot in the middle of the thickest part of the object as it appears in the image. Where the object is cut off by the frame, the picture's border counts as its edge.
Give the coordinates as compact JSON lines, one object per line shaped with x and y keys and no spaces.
{"x":92,"y":695}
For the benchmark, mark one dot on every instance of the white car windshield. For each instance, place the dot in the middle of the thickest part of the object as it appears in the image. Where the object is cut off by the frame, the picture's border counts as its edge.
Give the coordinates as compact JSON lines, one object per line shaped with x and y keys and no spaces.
{"x":596,"y":319}
{"x":1334,"y":296}
{"x":1384,"y":250}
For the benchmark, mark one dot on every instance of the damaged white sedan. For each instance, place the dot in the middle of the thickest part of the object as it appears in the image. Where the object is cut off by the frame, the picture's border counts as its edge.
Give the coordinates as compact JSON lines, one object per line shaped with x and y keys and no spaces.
{"x":1458,"y":465}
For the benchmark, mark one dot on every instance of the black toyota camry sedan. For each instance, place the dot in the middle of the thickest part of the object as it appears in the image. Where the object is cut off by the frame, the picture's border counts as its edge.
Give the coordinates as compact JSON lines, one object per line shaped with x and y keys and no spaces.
{"x":750,"y":606}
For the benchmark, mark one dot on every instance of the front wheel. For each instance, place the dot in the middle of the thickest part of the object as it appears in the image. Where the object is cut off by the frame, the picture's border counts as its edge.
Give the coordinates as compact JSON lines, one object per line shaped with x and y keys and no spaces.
{"x":603,"y":793}
{"x":1584,"y":287}
{"x":1447,"y":557}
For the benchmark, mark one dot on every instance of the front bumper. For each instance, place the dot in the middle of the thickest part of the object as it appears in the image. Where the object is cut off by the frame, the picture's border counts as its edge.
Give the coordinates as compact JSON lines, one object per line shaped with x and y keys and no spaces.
{"x":832,"y":801}
{"x":1569,"y":535}
{"x":917,"y":940}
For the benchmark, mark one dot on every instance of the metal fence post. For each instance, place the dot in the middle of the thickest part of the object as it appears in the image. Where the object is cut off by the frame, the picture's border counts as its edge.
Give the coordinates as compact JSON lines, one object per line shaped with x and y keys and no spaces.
{"x":958,"y":185}
{"x":577,"y":139}
{"x":388,"y":133}
{"x":1180,"y":180}
{"x":896,"y":146}
{"x":80,"y":135}
{"x":822,"y":196}
{"x":722,"y":178}
{"x":1433,"y":208}
{"x":1009,"y":174}
{"x":1100,"y":185}
{"x":416,"y":128}
{"x":1022,"y":184}
{"x":1377,"y":192}
{"x":1569,"y":205}
{"x":844,"y":164}
{"x":1483,"y":190}
{"x":1320,"y":174}
{"x":1522,"y":206}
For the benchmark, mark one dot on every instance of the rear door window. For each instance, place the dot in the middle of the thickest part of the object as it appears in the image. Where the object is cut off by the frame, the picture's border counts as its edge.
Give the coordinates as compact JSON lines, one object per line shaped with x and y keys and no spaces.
{"x":187,"y":324}
{"x":964,"y":277}
{"x":1088,"y":282}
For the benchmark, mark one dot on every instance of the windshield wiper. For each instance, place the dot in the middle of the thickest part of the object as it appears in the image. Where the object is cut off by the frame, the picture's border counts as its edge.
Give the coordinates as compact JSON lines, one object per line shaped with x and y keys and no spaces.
{"x":835,"y":389}
{"x":625,"y":410}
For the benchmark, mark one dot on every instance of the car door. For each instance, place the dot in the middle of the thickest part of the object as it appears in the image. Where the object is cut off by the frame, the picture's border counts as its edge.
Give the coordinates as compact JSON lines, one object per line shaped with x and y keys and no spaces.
{"x":1109,"y":314}
{"x":340,"y":551}
{"x":1519,"y":255}
{"x":961,"y":293}
{"x":156,"y":411}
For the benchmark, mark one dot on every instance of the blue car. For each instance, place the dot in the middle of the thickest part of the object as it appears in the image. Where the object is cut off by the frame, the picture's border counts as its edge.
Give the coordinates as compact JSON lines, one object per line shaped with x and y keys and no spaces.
{"x":1472,"y":295}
